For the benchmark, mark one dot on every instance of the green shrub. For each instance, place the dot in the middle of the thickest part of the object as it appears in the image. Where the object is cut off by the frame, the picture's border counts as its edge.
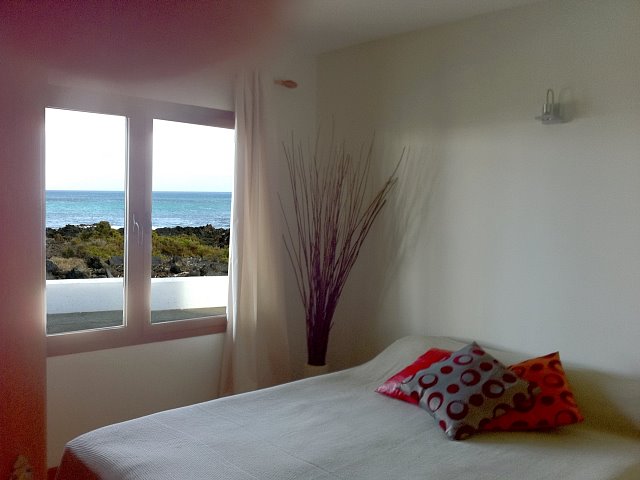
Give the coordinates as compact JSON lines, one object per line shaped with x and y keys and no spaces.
{"x":186,"y":246}
{"x":99,"y":240}
{"x":102,"y":241}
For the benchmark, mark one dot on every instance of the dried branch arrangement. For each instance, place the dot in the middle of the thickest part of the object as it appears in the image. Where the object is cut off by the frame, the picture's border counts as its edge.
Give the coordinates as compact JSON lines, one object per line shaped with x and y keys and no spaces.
{"x":332,"y":214}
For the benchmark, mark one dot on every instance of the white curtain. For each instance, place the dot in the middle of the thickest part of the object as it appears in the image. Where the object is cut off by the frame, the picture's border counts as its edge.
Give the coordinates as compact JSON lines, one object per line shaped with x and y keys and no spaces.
{"x":256,"y":352}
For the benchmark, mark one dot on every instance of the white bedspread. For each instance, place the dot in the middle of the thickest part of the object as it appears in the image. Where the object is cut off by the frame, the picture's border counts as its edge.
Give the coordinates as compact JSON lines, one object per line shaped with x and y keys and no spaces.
{"x":337,"y":427}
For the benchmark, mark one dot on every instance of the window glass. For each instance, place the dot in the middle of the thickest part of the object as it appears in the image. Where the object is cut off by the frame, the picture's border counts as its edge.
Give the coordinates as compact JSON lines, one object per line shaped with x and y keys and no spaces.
{"x":85,"y":164}
{"x":191,"y":207}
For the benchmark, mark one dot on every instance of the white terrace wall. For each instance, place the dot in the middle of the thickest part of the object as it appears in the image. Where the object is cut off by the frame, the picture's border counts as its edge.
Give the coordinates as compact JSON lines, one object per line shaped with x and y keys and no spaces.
{"x":106,"y":294}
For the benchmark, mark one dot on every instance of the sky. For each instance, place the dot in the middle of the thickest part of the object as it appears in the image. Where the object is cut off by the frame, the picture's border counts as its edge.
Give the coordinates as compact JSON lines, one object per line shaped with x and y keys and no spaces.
{"x":87,"y":151}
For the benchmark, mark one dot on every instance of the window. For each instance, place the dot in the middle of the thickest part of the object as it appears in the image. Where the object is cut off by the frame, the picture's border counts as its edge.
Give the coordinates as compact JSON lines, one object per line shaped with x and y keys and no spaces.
{"x":84,"y":181}
{"x":191,"y":206}
{"x":138,"y":200}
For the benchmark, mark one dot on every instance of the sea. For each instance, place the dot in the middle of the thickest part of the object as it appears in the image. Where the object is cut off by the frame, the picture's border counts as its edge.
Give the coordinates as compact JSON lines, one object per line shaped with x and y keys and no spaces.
{"x":169,"y":209}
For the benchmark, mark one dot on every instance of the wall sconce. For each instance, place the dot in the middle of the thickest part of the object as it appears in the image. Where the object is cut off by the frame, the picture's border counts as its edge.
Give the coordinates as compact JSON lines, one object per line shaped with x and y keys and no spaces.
{"x":550,"y":110}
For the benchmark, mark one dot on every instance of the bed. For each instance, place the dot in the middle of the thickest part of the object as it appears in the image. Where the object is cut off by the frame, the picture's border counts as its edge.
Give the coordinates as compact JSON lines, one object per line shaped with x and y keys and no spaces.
{"x":336,"y":427}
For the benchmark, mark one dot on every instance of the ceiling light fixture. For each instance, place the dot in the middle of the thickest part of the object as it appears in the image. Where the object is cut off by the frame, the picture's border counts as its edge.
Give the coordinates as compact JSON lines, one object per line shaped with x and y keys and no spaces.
{"x":286,"y":83}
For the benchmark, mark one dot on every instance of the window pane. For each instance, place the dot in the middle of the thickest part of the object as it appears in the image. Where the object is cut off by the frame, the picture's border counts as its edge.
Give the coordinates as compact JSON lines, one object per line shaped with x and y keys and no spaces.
{"x":85,"y":156}
{"x":191,"y":209}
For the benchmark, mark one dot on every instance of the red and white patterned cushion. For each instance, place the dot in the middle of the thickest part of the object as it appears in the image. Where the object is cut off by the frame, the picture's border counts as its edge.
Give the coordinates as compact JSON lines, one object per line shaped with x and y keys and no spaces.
{"x":554,"y":405}
{"x":466,"y":391}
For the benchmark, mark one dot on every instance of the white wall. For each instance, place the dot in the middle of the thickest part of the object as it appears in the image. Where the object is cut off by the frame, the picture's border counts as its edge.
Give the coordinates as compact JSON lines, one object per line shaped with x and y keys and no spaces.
{"x":90,"y":390}
{"x":210,"y":87}
{"x":290,"y":112}
{"x":530,"y":235}
{"x":22,"y":346}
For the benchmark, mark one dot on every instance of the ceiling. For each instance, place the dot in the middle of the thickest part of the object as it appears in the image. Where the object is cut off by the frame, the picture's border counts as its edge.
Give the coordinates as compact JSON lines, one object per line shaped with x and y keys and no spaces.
{"x":317,"y":26}
{"x":135,"y":39}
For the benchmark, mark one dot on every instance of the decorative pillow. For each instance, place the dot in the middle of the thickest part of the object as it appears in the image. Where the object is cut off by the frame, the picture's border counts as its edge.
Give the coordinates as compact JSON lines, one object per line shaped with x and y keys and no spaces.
{"x":466,"y":390}
{"x":554,"y":405}
{"x":391,"y":387}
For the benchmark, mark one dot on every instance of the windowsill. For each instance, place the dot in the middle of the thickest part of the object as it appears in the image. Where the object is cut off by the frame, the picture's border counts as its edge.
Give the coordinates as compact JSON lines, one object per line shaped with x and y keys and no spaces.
{"x":117,"y":337}
{"x":59,"y":323}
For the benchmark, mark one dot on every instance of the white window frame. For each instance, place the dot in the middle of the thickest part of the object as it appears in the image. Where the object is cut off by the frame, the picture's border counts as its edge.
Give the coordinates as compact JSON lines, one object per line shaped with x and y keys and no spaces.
{"x":137,"y":327}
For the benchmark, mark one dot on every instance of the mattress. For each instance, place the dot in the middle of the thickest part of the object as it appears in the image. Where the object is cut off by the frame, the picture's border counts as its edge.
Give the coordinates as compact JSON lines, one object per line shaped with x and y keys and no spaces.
{"x":336,"y":427}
